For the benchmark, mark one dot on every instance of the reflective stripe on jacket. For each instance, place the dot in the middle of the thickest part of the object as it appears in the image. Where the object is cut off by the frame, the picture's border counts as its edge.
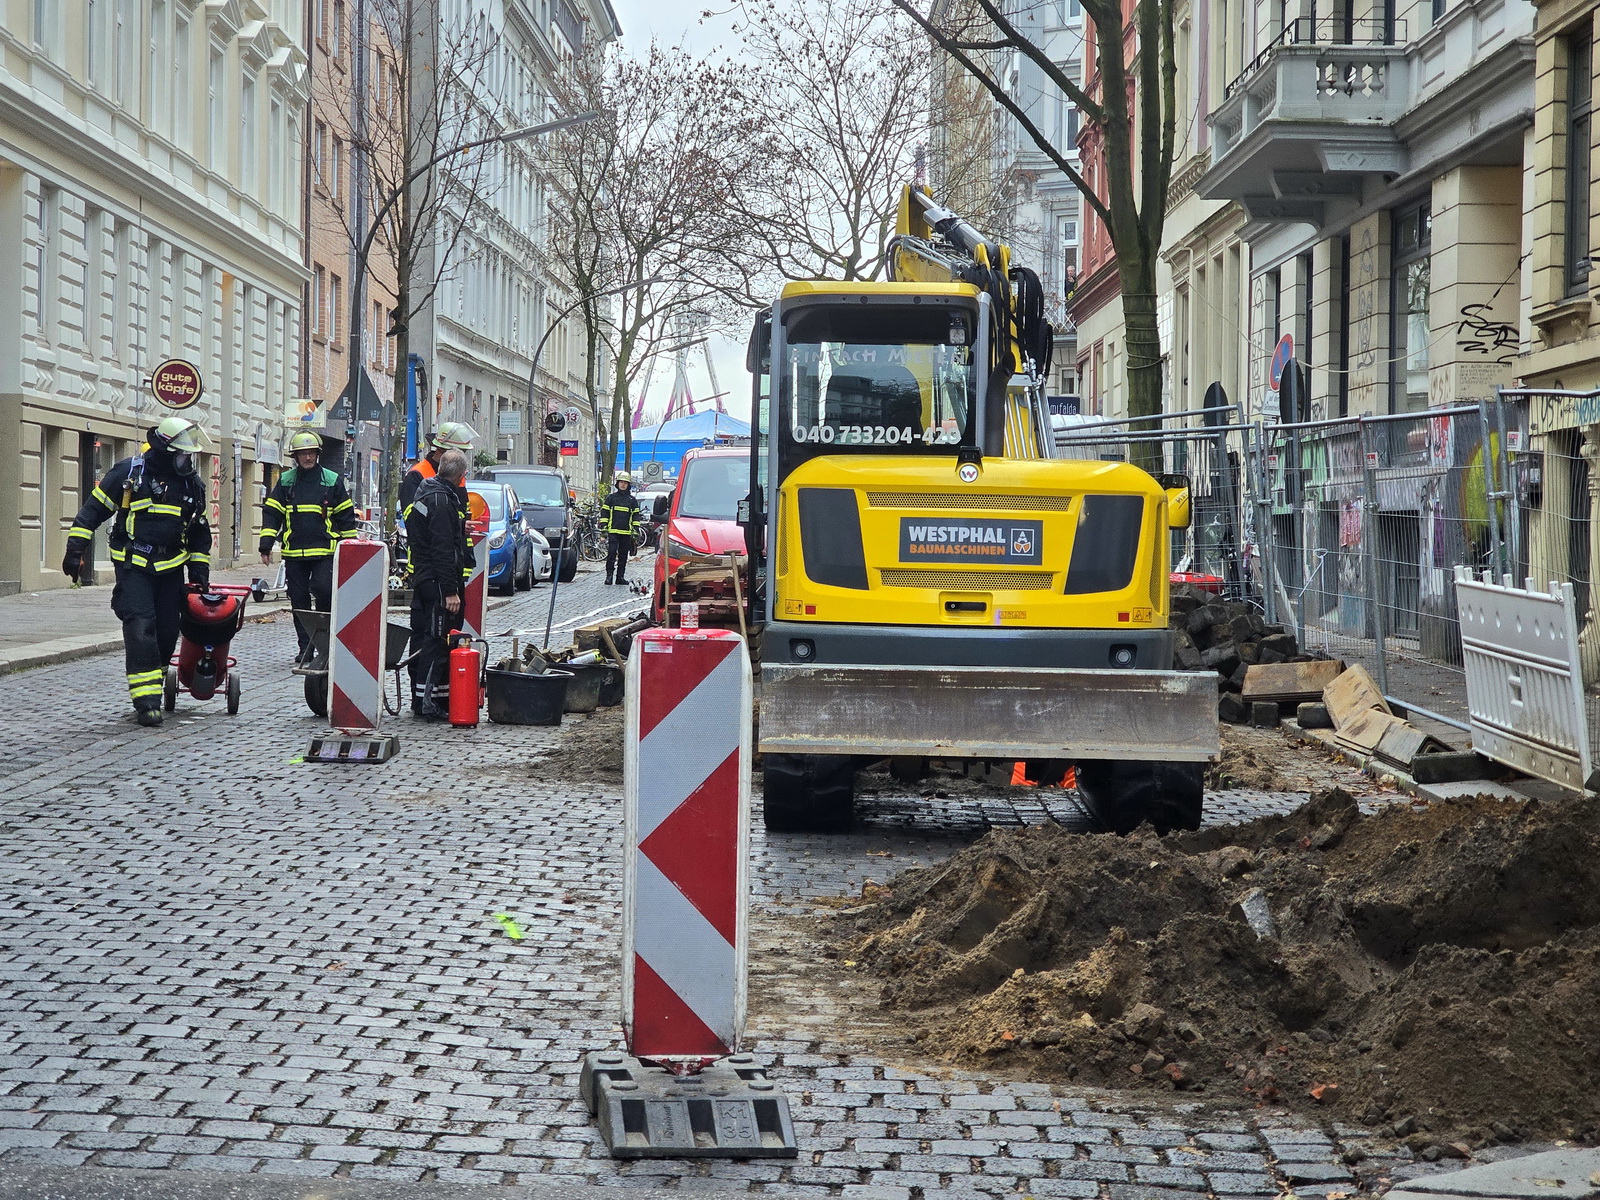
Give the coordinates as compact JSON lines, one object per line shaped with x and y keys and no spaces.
{"x":619,"y":513}
{"x":160,"y":519}
{"x":308,"y":513}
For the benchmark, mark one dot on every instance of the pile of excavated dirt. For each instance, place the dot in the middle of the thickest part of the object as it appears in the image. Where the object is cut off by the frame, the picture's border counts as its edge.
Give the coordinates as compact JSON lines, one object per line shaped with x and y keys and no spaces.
{"x":1432,"y":968}
{"x":590,"y":749}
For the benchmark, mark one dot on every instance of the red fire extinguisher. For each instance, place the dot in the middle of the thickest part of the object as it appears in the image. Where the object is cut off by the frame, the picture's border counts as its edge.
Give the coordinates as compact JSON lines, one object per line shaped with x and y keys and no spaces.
{"x":466,"y":679}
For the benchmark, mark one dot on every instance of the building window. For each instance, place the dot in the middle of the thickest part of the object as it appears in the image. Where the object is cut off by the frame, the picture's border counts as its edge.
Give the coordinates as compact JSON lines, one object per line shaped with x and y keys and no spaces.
{"x":48,"y":257}
{"x":247,"y":135}
{"x":336,"y":31}
{"x":45,"y":14}
{"x":319,"y":152}
{"x":96,"y":49}
{"x":1409,"y":282}
{"x":1579,"y":177}
{"x":124,"y":37}
{"x":214,"y":136}
{"x":183,"y":125}
{"x":319,"y":303}
{"x":1339,"y":292}
{"x":335,"y":299}
{"x":335,"y":166}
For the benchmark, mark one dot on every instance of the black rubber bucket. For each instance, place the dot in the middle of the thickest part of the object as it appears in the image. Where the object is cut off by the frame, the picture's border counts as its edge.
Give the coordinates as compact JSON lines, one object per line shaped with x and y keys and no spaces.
{"x":611,"y":687}
{"x":583,"y":694}
{"x":516,"y":698}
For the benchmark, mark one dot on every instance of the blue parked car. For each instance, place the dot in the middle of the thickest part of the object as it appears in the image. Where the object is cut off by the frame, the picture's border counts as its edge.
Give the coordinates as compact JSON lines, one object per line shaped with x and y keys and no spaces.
{"x":514,"y":557}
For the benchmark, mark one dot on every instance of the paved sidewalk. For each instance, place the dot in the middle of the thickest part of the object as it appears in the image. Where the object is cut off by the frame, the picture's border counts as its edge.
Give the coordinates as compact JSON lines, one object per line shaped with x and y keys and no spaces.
{"x":61,"y":624}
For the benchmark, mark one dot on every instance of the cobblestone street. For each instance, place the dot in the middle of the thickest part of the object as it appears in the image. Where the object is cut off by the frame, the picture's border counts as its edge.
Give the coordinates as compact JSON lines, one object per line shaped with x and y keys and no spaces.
{"x":215,"y":957}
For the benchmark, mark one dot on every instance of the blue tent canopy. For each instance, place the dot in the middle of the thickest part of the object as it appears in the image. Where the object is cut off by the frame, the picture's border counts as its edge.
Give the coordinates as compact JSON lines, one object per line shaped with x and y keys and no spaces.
{"x":669,"y":441}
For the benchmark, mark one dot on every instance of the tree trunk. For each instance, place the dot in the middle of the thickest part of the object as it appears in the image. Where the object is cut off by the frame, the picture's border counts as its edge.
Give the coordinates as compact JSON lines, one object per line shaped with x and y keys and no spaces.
{"x":1141,"y":340}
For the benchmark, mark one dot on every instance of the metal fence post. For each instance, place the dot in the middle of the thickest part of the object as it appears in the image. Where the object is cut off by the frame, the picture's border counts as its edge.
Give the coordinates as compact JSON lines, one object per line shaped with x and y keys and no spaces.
{"x":1491,"y":494}
{"x":1233,"y":580}
{"x":1513,"y":530}
{"x":1266,"y":537}
{"x":1369,"y":549}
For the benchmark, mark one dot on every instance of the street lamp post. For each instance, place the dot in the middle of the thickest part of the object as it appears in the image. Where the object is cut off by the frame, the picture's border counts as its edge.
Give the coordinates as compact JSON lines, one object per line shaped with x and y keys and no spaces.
{"x":358,"y":288}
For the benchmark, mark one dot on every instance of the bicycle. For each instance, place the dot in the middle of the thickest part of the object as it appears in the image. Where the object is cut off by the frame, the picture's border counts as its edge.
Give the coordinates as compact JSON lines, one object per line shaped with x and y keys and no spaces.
{"x":589,"y":541}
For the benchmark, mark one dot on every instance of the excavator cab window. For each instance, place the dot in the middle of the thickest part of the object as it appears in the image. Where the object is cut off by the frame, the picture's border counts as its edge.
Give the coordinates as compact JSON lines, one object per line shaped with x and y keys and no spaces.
{"x":877,"y":380}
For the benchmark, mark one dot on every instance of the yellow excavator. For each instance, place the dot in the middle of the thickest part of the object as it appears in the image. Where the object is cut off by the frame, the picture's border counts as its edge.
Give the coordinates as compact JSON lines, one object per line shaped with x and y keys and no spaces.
{"x":931,"y":581}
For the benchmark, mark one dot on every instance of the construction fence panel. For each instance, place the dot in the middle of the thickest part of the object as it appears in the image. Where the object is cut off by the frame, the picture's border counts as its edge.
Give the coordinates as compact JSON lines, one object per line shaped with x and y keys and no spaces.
{"x":1361,"y":524}
{"x":1524,"y":678}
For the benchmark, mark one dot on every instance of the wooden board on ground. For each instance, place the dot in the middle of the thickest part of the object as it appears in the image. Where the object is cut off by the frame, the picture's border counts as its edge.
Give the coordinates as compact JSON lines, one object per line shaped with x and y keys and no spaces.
{"x":1352,"y":693}
{"x":1291,"y":681}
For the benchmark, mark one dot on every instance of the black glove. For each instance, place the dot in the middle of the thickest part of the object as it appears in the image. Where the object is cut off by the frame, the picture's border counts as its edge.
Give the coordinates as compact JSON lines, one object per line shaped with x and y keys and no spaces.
{"x":200,"y":575}
{"x":266,"y":546}
{"x":72,"y":564}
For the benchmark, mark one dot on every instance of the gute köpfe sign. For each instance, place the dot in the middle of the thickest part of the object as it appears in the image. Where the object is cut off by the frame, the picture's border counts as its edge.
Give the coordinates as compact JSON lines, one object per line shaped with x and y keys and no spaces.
{"x":176,"y":383}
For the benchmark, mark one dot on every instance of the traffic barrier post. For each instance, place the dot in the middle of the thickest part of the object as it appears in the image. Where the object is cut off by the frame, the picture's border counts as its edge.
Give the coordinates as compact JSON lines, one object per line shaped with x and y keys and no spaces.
{"x":358,"y":628}
{"x":682,"y":1087}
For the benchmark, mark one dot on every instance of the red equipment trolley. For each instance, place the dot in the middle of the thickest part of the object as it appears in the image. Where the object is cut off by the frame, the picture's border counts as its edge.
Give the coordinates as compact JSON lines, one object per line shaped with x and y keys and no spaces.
{"x":212,"y":617}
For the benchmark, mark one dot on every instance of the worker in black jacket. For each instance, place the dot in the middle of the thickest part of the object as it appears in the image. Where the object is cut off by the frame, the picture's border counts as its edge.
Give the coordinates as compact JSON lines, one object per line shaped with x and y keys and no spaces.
{"x":160,"y":530}
{"x":308,"y":512}
{"x":441,"y":561}
{"x":619,"y":521}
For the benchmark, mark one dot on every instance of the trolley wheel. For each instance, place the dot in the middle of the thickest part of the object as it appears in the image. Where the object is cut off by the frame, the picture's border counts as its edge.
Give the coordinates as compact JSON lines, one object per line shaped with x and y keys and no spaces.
{"x":317,"y":694}
{"x":169,"y":690}
{"x":257,"y":594}
{"x":233,"y":692}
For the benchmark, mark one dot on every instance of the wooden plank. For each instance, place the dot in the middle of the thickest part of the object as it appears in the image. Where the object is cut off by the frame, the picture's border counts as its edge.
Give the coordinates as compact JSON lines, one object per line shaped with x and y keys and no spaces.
{"x":1351,"y":693}
{"x":1284,"y":682}
{"x":1365,"y":729}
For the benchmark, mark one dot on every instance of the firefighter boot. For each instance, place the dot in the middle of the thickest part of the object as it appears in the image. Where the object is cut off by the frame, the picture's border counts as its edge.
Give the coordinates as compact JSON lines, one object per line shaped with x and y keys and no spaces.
{"x":148,"y":712}
{"x":425,"y":697}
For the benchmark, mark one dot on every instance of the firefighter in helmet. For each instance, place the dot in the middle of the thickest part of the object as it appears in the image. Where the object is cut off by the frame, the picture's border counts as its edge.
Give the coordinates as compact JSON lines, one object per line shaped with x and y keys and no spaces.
{"x":160,"y":531}
{"x":451,"y":435}
{"x":619,"y":521}
{"x":308,"y":513}
{"x":441,"y":561}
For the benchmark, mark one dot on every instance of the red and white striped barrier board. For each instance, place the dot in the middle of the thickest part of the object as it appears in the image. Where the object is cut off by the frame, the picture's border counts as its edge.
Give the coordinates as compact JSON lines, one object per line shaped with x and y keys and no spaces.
{"x":686,"y":840}
{"x":356,"y":642}
{"x":475,"y":597}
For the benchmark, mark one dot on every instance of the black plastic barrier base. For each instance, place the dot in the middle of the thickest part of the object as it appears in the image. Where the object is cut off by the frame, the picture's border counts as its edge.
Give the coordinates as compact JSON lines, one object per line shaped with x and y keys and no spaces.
{"x":730,"y":1109}
{"x":368,"y":748}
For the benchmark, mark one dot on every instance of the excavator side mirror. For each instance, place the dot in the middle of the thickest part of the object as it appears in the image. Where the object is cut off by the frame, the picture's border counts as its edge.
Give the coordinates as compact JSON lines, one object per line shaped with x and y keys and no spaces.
{"x":1177,"y":489}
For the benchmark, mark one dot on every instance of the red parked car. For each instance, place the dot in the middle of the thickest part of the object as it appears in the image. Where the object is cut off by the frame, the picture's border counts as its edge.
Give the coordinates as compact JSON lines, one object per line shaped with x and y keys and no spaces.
{"x":702,"y":512}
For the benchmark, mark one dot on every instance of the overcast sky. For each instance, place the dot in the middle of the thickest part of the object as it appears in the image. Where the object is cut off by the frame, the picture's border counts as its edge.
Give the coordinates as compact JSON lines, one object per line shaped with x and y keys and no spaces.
{"x":678,"y":23}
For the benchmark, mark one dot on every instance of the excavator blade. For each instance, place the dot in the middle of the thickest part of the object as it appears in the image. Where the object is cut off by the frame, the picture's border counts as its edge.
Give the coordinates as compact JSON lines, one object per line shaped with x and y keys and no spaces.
{"x":988,"y":712}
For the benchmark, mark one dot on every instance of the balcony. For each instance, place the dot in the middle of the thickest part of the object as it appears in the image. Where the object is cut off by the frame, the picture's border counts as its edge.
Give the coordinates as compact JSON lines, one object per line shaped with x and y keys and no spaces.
{"x":1331,"y":112}
{"x":1306,"y":122}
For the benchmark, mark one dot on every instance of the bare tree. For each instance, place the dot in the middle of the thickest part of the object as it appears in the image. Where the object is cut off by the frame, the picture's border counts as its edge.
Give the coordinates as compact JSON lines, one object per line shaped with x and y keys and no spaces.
{"x":427,"y":91}
{"x":646,"y":229}
{"x":1135,"y":137}
{"x":850,"y":100}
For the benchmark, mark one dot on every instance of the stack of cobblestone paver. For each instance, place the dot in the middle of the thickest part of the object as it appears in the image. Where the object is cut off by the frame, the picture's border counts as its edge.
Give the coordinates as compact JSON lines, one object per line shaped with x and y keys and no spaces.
{"x":215,"y":958}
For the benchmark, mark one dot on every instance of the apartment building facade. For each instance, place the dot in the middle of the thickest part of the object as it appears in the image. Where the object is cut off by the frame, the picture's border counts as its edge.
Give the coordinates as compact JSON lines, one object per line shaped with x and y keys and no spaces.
{"x":1378,"y":155}
{"x":150,"y":208}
